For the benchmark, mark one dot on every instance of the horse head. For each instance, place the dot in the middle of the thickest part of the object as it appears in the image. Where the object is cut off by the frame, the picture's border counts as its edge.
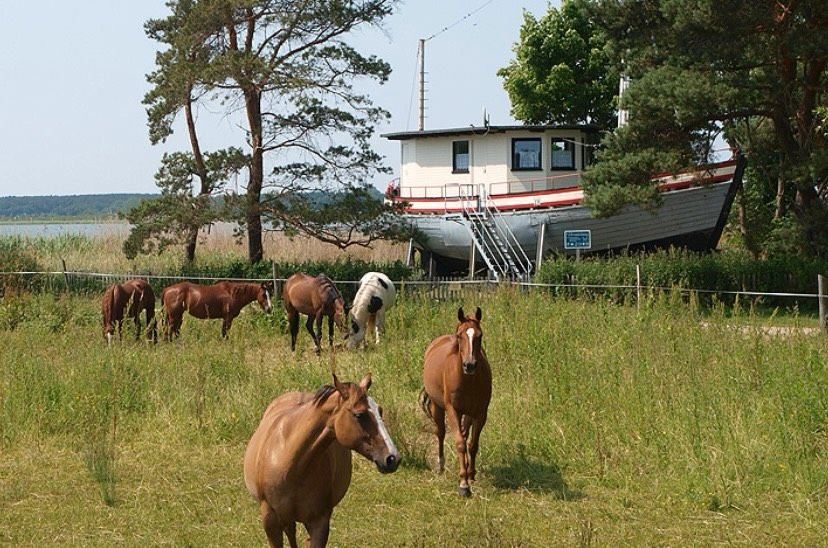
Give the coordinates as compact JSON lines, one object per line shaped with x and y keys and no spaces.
{"x":358,"y":425}
{"x":340,"y":314}
{"x":469,"y":339}
{"x":263,"y":296}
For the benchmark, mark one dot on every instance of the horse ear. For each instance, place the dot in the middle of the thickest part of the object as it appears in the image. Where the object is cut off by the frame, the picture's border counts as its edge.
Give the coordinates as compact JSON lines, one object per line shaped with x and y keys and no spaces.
{"x":340,"y":387}
{"x":365,"y":383}
{"x":478,"y":314}
{"x":461,"y":317}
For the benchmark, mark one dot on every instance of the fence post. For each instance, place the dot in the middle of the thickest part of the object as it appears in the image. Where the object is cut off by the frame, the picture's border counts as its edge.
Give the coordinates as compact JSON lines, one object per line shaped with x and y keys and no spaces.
{"x":821,"y":287}
{"x":65,"y":275}
{"x":638,"y":285}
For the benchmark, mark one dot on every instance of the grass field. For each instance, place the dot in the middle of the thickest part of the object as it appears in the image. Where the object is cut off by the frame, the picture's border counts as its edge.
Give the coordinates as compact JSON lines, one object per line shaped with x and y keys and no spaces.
{"x":609,"y":425}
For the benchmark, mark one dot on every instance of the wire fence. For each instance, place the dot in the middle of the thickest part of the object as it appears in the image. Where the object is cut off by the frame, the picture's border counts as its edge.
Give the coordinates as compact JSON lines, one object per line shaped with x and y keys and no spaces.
{"x":445,"y":288}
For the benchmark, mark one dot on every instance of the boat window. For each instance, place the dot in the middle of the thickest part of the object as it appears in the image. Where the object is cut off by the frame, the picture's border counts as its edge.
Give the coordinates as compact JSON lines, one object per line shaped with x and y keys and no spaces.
{"x":526,"y":154}
{"x":460,"y":156}
{"x":563,"y":154}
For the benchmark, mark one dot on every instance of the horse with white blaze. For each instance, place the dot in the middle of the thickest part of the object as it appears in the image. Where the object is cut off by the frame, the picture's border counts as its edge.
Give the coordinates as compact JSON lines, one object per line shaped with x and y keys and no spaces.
{"x":375,"y":296}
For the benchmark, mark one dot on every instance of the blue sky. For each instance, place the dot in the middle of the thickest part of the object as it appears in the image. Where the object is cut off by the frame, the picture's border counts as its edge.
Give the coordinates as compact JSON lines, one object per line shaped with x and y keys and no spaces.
{"x":72,"y":122}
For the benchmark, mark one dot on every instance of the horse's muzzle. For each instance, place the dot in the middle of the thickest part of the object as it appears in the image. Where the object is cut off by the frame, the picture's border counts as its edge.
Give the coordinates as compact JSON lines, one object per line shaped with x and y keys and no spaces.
{"x":390,"y":464}
{"x":469,"y":368}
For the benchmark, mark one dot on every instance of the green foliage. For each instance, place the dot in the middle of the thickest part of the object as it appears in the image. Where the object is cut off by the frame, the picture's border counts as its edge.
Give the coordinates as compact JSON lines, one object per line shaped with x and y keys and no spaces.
{"x":16,"y":255}
{"x":176,"y":216}
{"x":668,"y":269}
{"x":562,"y":72}
{"x":756,"y":70}
{"x":355,"y":216}
{"x":51,"y":207}
{"x":289,"y":63}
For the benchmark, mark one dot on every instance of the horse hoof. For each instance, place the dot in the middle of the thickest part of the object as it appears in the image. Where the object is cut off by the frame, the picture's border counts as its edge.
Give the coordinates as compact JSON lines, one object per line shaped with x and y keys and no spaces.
{"x":464,"y":490}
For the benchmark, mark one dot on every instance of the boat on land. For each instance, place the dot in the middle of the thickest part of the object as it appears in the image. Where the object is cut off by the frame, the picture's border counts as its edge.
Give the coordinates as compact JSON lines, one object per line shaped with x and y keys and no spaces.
{"x":500,"y":198}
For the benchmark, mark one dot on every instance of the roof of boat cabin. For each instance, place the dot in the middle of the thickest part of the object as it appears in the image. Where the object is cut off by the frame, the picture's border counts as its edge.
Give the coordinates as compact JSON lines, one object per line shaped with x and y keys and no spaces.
{"x":484,"y":130}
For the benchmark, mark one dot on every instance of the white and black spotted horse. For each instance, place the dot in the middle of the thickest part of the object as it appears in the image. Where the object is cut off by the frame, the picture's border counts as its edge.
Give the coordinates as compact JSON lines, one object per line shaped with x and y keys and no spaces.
{"x":375,"y":296}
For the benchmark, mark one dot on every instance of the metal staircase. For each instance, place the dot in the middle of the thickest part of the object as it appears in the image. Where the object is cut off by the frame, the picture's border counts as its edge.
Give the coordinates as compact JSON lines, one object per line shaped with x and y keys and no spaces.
{"x":493,"y":239}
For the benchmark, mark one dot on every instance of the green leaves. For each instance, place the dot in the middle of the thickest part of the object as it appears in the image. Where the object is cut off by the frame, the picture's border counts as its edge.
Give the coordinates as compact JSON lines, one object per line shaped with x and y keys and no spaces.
{"x":698,"y":67}
{"x":562,"y":72}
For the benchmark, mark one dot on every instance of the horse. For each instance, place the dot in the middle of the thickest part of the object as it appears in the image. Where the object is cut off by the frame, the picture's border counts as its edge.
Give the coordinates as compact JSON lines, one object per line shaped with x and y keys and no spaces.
{"x":317,"y":297}
{"x":457,"y":383}
{"x":375,"y":296}
{"x":297,"y":465}
{"x":136,"y":293}
{"x":222,"y":300}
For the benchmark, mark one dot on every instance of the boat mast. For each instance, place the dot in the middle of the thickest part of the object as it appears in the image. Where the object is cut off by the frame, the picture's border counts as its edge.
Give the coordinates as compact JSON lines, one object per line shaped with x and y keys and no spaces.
{"x":421,"y":123}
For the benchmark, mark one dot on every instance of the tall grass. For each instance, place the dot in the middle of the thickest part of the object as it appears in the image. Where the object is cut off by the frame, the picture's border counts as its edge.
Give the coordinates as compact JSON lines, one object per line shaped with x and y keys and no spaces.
{"x":103,"y":253}
{"x":609,"y":425}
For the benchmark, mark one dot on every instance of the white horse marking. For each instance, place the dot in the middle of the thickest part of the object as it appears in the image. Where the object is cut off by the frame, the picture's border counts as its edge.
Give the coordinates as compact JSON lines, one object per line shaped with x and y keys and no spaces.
{"x":389,"y":443}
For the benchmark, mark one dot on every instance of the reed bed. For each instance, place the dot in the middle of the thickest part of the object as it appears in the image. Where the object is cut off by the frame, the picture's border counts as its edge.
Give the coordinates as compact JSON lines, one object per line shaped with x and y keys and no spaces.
{"x":103,"y":252}
{"x":609,"y":425}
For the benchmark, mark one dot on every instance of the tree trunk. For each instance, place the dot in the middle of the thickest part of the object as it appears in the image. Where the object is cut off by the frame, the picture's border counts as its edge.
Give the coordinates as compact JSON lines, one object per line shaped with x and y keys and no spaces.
{"x":201,"y":171}
{"x":779,"y":210}
{"x":744,"y":229}
{"x":252,"y":99}
{"x":190,"y":247}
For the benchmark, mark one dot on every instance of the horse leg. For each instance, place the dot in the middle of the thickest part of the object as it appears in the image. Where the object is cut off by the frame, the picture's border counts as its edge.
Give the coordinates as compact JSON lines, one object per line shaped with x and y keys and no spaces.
{"x":290,"y":532}
{"x":318,"y":323}
{"x":271,"y":525}
{"x":120,"y":327}
{"x":152,"y":324}
{"x":318,"y":530}
{"x":293,"y":322}
{"x":136,"y":318}
{"x":309,"y":326}
{"x":460,"y":448}
{"x":438,"y":415}
{"x":175,"y":322}
{"x":474,"y":444}
{"x":380,"y":324}
{"x":330,"y":330}
{"x":225,"y":326}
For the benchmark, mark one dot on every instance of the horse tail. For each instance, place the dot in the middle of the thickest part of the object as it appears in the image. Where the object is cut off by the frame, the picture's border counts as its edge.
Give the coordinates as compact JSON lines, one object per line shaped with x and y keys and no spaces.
{"x":425,"y":401}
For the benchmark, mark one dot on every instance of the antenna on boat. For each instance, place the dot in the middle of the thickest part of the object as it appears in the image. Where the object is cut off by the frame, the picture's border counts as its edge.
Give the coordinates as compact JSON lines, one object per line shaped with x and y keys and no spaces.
{"x":421,"y":122}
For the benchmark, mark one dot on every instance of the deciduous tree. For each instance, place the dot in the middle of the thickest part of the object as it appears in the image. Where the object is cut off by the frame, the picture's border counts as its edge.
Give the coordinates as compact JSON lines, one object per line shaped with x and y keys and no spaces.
{"x":562,"y":71}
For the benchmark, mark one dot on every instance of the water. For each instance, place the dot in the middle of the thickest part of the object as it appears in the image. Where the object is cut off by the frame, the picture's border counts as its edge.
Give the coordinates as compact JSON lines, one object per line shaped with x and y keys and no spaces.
{"x":50,"y":230}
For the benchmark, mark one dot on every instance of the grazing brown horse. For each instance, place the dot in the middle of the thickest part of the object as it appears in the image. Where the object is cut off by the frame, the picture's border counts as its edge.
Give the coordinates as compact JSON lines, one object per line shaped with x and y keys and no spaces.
{"x":139,"y":296}
{"x":458,"y":385}
{"x":298,"y":463}
{"x":317,"y":297}
{"x":222,"y":300}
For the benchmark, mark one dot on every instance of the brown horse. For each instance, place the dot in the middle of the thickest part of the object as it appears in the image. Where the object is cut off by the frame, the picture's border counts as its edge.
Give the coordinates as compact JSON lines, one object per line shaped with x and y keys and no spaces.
{"x":139,"y":296}
{"x":317,"y":297}
{"x":458,"y":384}
{"x":298,"y":463}
{"x":222,"y":300}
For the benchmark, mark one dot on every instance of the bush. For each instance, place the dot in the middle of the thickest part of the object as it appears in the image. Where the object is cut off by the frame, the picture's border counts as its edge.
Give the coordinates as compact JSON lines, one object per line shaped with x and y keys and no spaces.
{"x":17,"y":256}
{"x":712,"y":272}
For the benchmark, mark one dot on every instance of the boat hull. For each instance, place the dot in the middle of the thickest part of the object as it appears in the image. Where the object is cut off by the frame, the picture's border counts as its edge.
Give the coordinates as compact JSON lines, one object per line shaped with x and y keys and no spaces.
{"x":687,"y":217}
{"x":692,"y":213}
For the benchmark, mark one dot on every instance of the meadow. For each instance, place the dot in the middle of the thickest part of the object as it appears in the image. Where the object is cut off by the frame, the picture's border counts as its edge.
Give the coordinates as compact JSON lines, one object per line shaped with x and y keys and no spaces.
{"x":610,"y":425}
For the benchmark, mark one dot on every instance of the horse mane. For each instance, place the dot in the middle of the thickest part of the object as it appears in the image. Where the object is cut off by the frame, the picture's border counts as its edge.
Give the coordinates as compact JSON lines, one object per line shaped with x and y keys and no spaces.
{"x":325,"y":392}
{"x":327,"y":287}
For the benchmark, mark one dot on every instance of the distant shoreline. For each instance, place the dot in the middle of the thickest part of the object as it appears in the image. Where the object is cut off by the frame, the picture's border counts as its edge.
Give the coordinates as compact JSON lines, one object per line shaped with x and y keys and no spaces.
{"x":60,"y":220}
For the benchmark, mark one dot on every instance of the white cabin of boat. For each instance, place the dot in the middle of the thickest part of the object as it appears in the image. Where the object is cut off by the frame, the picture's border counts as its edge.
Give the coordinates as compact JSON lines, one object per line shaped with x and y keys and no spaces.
{"x":491,"y":161}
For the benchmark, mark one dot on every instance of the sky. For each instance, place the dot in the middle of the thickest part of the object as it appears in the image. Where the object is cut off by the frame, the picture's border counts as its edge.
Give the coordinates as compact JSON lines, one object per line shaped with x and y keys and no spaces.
{"x":73,"y":77}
